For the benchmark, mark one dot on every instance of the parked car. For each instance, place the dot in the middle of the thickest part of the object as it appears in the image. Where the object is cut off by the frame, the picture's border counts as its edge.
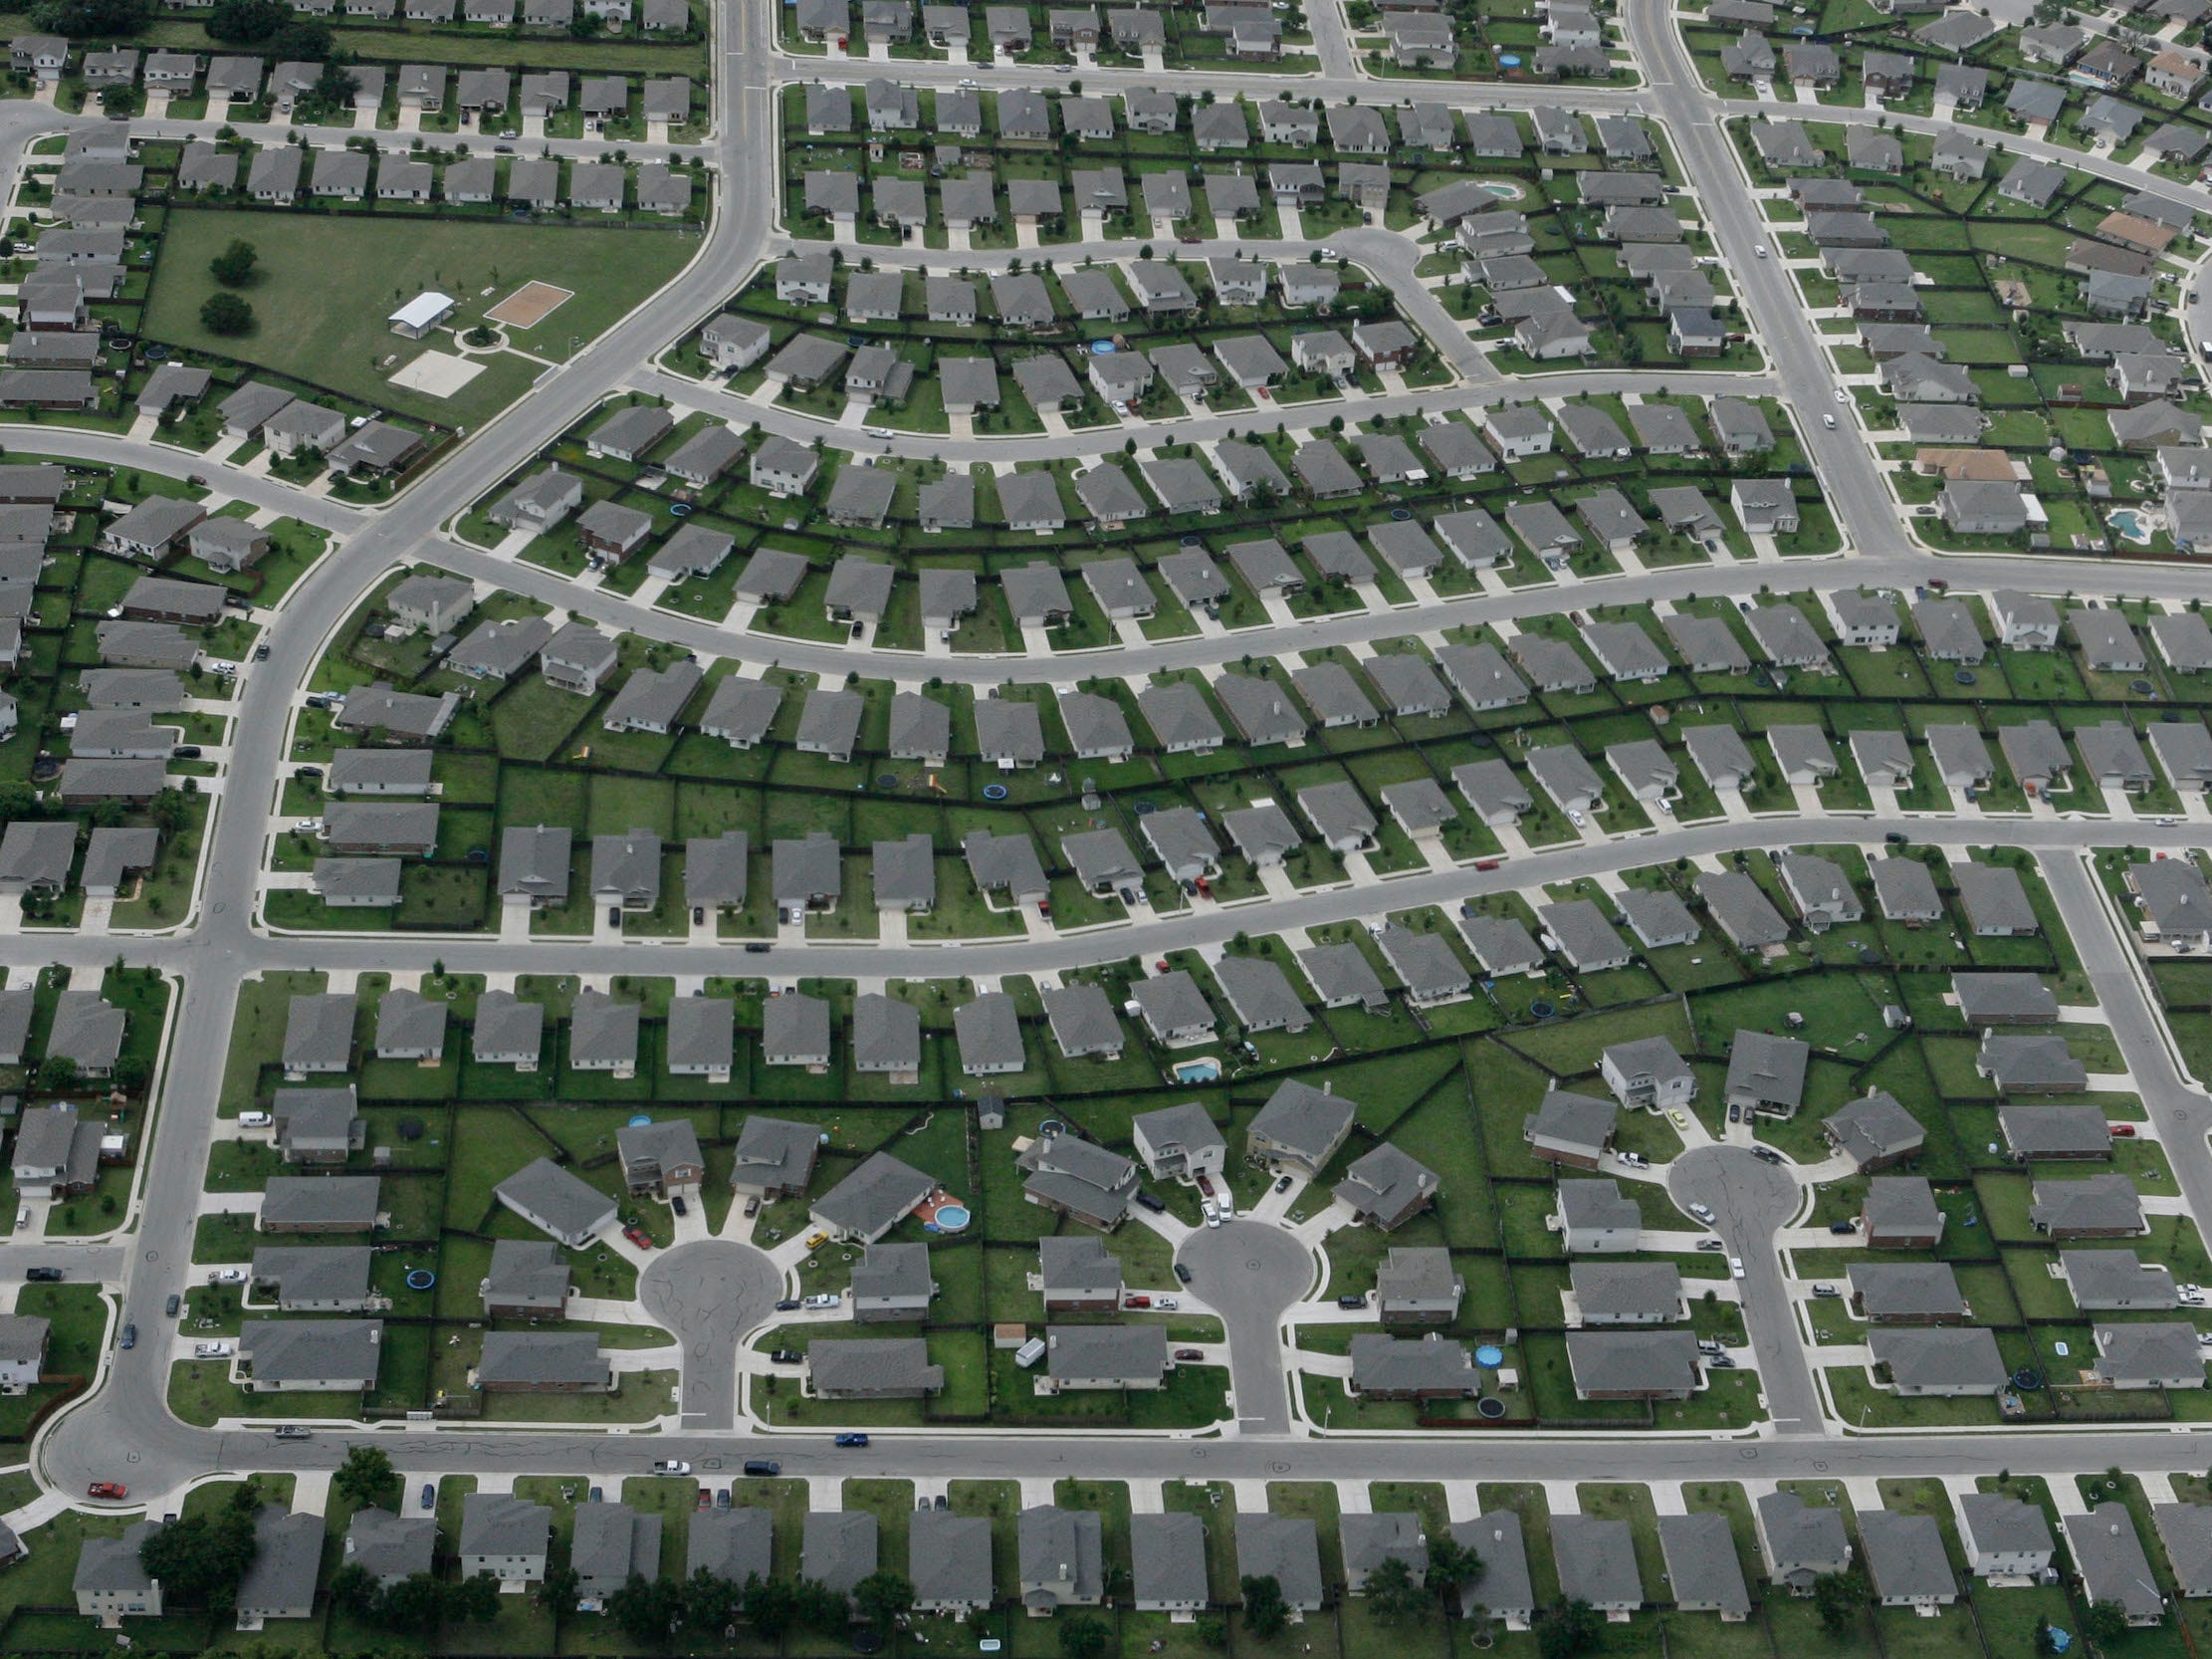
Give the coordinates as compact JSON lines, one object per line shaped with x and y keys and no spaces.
{"x":129,"y":1339}
{"x":853,"y":1441}
{"x":821,"y":1300}
{"x":671,"y":1466}
{"x":763,"y":1466}
{"x":169,"y":1307}
{"x":42,"y":1276}
{"x":788,"y":1356}
{"x":677,"y":1204}
{"x":1136,"y":1300}
{"x":213,"y":1351}
{"x":218,"y":1275}
{"x":1710,"y":1244}
{"x":1282,"y":1183}
{"x":1843,"y":1227}
{"x":1183,"y":1272}
{"x":789,"y":1305}
{"x":429,"y":1495}
{"x":1189,"y":1353}
{"x":1703,"y":1212}
{"x":1351,"y":1298}
{"x":639,"y":1237}
{"x":106,"y":1489}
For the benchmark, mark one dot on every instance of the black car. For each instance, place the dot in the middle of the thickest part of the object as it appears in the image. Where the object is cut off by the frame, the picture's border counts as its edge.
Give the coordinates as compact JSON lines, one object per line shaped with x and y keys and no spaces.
{"x":786,"y":1356}
{"x":1842,"y":1227}
{"x":789,"y":1305}
{"x":1157,"y":1206}
{"x":763,"y":1466}
{"x":755,"y":950}
{"x":42,"y":1276}
{"x":1282,"y":1183}
{"x":1183,"y":1272}
{"x":1766,"y":1155}
{"x":170,"y":1306}
{"x":677,"y":1204}
{"x":186,"y":752}
{"x":1354,"y":1299}
{"x":129,"y":1339}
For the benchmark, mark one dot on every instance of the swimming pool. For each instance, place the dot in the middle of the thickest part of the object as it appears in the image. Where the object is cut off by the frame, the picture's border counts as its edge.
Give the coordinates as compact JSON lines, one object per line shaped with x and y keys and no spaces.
{"x":951,"y":1218}
{"x":1198,"y":1071}
{"x":2129,"y":525}
{"x":1501,"y":189}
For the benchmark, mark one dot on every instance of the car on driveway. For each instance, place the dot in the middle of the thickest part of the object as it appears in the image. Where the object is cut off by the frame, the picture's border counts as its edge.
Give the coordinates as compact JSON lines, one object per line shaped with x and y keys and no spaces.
{"x":1189,"y":1353}
{"x":789,"y":1305}
{"x":820,"y":1301}
{"x":1136,"y":1300}
{"x":638,"y":1236}
{"x":429,"y":1495}
{"x":219,"y":1276}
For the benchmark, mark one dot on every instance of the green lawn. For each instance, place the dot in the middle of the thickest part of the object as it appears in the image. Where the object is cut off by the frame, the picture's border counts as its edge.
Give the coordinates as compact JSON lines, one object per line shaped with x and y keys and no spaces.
{"x":326,"y":283}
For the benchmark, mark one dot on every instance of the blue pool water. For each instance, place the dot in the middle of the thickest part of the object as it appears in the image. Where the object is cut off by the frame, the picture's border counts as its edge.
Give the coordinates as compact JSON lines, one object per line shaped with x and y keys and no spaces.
{"x":1198,"y":1071}
{"x":1502,"y":190}
{"x":1490,"y":1356}
{"x":2129,"y":524}
{"x":951,"y":1218}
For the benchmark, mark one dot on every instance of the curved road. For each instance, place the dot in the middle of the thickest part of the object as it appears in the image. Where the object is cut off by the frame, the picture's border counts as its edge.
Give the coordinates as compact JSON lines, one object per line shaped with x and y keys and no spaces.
{"x":124,"y":1431}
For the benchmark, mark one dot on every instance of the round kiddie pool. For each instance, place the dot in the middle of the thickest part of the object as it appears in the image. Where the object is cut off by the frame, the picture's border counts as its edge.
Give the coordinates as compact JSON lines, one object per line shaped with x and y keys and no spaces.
{"x":1490,"y":1354}
{"x":1506,"y":60}
{"x":640,"y":1122}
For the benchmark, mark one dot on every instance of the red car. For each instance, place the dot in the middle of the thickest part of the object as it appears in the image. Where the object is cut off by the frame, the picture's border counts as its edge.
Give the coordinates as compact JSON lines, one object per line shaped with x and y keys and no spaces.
{"x":2122,"y":1132}
{"x":1189,"y":1353}
{"x":1137,"y":1301}
{"x":639,"y":1237}
{"x":106,"y":1489}
{"x":706,"y":1499}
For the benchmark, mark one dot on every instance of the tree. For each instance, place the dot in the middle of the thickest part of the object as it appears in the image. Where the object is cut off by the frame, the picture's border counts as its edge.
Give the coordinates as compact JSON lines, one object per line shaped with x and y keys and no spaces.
{"x":648,"y":1609}
{"x":771,"y":1607}
{"x":1453,"y":1569}
{"x":365,"y":1476}
{"x":559,"y":1590}
{"x":883,"y":1597}
{"x":246,"y":22}
{"x":1393,"y":1592}
{"x":353,"y":1589}
{"x":818,"y":1607}
{"x":1566,"y":1628}
{"x":57,"y":1074}
{"x":475,"y":1598}
{"x":1265,"y":1613}
{"x":2103,"y":1624}
{"x":234,"y":266}
{"x":1835,"y":1597}
{"x":1211,"y":1629}
{"x":414,"y":1602}
{"x":1082,"y":1637}
{"x":226,"y":314}
{"x":202,"y":1558}
{"x":91,"y":17}
{"x":712,"y":1602}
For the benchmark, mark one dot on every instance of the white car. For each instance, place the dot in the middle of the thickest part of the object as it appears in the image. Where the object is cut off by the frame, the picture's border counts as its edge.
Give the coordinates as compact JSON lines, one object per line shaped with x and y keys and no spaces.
{"x":1574,"y":817}
{"x":227,"y":1275}
{"x":213,"y":1351}
{"x":1167,"y":1304}
{"x":253,"y":1120}
{"x":1703,"y":1212}
{"x":825,"y":1299}
{"x":671,"y":1466}
{"x":1842,"y":397}
{"x":1760,"y":249}
{"x":1735,"y":1267}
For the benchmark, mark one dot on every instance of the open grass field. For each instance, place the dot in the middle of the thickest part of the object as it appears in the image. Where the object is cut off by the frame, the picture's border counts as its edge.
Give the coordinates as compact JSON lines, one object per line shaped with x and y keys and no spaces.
{"x":327,"y":283}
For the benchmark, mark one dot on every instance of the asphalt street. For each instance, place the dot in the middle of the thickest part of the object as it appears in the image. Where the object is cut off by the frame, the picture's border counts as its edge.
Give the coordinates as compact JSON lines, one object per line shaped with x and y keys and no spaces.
{"x":709,"y":1295}
{"x":1750,"y":1199}
{"x":710,"y":1298}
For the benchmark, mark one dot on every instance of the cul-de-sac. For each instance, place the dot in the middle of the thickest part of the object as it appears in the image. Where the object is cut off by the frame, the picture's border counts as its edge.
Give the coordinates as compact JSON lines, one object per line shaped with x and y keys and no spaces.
{"x":1367,"y":829}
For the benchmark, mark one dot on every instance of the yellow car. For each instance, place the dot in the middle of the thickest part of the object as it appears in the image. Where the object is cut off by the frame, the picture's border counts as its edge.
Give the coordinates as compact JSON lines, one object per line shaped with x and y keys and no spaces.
{"x":1676,"y":1116}
{"x":816,"y":1241}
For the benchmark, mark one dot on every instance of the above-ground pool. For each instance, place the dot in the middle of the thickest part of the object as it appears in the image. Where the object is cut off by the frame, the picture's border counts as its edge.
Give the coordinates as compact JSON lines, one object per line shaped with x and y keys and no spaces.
{"x":951,"y":1218}
{"x":640,"y":1122}
{"x":1506,"y":60}
{"x":1198,"y":1071}
{"x":1490,"y":1354}
{"x":421,"y":1280}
